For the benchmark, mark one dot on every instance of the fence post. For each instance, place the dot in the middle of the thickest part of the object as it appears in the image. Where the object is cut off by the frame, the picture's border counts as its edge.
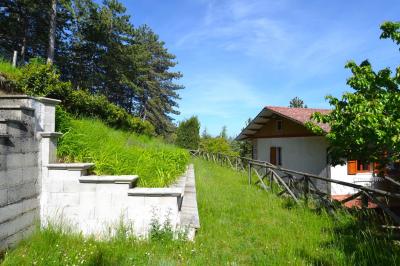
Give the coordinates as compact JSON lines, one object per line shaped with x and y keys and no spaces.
{"x":306,"y":188}
{"x":270,"y":181}
{"x":364,"y":200}
{"x":249,"y":173}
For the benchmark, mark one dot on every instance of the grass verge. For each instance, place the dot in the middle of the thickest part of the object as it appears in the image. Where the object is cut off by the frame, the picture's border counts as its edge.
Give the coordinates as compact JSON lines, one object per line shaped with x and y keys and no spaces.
{"x":117,"y":152}
{"x":240,"y":225}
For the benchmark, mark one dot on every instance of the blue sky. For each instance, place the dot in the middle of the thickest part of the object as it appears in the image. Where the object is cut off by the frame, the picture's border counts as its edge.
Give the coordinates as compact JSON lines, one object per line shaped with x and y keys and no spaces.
{"x":240,"y":55}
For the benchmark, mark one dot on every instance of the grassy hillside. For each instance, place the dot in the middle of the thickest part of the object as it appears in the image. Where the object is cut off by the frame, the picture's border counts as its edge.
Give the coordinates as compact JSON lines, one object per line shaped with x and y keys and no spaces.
{"x":117,"y":152}
{"x":240,"y":225}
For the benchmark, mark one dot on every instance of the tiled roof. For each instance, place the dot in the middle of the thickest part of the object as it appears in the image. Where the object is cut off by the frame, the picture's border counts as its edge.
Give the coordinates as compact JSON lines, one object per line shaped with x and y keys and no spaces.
{"x":301,"y":115}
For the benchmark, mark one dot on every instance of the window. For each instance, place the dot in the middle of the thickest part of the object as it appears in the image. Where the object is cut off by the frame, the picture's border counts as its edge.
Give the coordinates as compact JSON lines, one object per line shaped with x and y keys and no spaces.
{"x":363,"y":166}
{"x":278,"y":125}
{"x":357,"y":166}
{"x":275,"y":155}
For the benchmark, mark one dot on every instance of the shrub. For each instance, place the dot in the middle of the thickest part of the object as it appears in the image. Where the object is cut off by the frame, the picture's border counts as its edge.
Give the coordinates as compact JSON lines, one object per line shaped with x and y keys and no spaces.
{"x":81,"y":103}
{"x":187,"y":135}
{"x":40,"y":79}
{"x":217,"y":145}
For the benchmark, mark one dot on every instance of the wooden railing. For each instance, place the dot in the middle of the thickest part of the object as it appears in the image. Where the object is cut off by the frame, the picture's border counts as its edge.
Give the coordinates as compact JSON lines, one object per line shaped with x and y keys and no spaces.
{"x":299,"y":185}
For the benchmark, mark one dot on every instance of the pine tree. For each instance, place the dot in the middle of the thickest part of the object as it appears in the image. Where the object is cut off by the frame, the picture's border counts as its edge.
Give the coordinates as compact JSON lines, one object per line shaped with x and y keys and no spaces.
{"x":296,"y":102}
{"x":224,"y":133}
{"x":158,"y":96}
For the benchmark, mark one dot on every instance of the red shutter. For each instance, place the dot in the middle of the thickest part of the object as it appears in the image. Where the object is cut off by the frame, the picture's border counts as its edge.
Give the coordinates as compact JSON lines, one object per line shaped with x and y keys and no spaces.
{"x":351,"y":167}
{"x":272,"y":155}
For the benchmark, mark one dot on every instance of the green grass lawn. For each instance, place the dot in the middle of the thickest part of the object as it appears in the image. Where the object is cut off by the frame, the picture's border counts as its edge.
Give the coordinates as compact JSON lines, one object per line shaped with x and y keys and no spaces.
{"x":240,"y":225}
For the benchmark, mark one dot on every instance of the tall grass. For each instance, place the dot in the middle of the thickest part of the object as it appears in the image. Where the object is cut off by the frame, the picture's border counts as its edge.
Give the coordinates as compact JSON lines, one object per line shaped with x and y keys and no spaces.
{"x":8,"y":74}
{"x":117,"y":152}
{"x":7,"y":69}
{"x":240,"y":225}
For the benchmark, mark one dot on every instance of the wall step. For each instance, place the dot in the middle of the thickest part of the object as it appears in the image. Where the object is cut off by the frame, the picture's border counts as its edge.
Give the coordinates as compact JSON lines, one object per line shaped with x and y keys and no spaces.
{"x":131,"y":180}
{"x":17,"y":112}
{"x":16,"y":100}
{"x":77,"y":167}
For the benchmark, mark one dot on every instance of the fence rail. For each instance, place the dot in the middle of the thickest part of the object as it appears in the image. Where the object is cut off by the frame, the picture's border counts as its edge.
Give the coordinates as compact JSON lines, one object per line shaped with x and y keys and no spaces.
{"x":299,"y":185}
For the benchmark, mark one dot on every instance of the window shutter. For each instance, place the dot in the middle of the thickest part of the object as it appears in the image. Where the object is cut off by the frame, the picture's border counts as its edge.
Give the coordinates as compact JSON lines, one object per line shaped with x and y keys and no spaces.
{"x":376,"y":168}
{"x":272,"y":155}
{"x":351,"y":167}
{"x":279,"y":157}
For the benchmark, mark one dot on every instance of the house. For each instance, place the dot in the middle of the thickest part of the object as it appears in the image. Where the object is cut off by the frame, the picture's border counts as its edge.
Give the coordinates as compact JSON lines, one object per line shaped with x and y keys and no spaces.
{"x":279,"y":136}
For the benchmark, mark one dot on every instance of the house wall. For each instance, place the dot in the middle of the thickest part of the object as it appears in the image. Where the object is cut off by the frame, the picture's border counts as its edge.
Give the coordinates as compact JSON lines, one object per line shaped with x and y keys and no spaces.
{"x":309,"y":155}
{"x":289,"y":129}
{"x":305,"y":154}
{"x":339,"y":172}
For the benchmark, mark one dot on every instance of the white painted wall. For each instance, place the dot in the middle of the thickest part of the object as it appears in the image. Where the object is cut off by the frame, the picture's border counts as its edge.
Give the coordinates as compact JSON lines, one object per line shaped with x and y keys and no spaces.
{"x":339,"y":172}
{"x":306,"y":154}
{"x":309,"y":155}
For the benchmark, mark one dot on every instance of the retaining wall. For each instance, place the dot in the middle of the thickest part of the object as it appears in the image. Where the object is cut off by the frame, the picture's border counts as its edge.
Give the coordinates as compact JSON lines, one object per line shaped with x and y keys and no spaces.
{"x":35,"y":189}
{"x":98,"y":204}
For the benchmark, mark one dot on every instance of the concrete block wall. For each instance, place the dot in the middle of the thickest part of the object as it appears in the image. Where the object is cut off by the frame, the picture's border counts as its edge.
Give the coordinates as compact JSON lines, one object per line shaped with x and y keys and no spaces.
{"x":19,"y":189}
{"x":22,"y":121}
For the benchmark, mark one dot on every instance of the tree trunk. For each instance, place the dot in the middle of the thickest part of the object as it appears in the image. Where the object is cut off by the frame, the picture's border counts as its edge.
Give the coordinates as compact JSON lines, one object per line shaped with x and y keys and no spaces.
{"x":144,"y":113}
{"x":23,"y":46}
{"x":52,"y":32}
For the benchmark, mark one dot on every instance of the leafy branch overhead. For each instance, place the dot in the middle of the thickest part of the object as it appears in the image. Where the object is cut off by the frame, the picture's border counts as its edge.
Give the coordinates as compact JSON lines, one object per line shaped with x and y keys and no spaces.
{"x":365,"y":124}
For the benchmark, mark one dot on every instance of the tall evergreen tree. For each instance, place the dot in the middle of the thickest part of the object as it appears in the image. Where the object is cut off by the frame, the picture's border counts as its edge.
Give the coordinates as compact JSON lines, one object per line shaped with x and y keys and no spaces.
{"x":296,"y":102}
{"x":224,"y":133}
{"x":158,"y":96}
{"x":97,"y":48}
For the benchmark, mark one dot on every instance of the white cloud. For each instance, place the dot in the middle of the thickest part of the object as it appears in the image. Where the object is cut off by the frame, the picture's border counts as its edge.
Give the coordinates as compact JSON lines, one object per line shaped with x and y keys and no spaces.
{"x":268,"y":30}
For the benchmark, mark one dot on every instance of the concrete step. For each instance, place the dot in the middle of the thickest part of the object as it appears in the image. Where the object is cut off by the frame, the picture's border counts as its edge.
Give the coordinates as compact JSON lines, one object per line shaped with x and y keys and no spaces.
{"x":16,"y":100}
{"x":25,"y":100}
{"x":17,"y":113}
{"x":131,"y":180}
{"x":155,"y":192}
{"x":74,"y":169}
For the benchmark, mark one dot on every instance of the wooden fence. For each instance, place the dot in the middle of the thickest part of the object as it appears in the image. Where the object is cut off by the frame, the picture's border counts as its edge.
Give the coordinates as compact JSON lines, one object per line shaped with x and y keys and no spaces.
{"x":299,"y":185}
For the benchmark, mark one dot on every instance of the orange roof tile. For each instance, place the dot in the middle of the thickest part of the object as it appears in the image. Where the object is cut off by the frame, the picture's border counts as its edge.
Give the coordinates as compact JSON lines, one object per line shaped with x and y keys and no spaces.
{"x":301,"y":115}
